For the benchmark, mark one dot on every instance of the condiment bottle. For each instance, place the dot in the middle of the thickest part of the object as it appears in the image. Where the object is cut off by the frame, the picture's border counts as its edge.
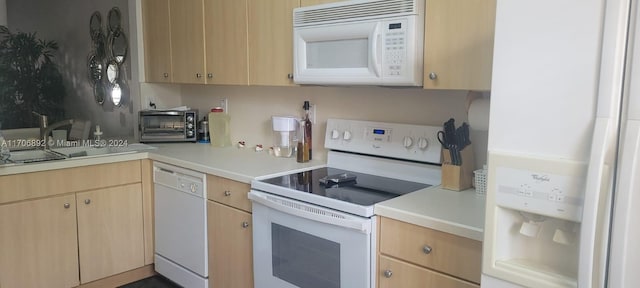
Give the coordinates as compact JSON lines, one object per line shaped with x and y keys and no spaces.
{"x":304,"y":144}
{"x":219,"y":129}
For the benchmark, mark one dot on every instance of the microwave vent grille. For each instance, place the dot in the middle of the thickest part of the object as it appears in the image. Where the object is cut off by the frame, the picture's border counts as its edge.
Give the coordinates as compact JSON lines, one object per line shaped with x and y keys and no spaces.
{"x":353,"y":10}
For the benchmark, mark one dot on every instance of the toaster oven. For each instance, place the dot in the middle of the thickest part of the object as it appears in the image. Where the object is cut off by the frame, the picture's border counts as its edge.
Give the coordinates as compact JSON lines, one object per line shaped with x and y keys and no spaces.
{"x":168,"y":126}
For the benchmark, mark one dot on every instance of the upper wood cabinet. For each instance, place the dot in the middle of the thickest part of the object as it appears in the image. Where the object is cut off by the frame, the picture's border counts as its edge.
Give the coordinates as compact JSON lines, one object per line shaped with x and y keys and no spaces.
{"x":271,"y":42}
{"x":458,"y":44}
{"x":157,"y":41}
{"x":304,"y":3}
{"x":226,"y":41}
{"x":187,"y":41}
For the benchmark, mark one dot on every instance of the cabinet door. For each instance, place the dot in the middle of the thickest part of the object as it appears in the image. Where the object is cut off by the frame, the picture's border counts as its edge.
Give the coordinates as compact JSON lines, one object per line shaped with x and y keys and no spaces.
{"x":39,"y":244}
{"x":393,"y":273}
{"x":271,"y":42}
{"x":458,"y":49}
{"x":187,"y":41}
{"x":110,"y":231}
{"x":226,"y":41}
{"x":304,"y":3}
{"x":230,"y":247}
{"x":157,"y":40}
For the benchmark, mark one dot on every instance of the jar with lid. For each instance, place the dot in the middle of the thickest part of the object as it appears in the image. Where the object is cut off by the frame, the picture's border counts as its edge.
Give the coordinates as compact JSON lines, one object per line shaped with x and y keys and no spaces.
{"x":219,"y":129}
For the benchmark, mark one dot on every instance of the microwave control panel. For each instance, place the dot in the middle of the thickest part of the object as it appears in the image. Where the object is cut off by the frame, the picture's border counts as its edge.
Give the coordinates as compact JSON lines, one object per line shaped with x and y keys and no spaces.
{"x":401,"y":141}
{"x":395,"y":43}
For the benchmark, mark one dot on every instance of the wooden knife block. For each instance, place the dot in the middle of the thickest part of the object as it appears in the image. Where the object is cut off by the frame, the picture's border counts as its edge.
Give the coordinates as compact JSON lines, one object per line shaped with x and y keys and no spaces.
{"x":457,"y":178}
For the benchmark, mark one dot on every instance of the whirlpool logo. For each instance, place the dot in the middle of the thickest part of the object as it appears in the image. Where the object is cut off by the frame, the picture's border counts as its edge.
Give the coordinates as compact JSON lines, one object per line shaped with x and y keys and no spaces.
{"x":540,"y":178}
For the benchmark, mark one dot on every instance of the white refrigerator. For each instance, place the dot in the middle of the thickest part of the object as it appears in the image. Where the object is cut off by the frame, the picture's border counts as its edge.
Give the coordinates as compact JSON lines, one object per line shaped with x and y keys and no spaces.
{"x":563,"y":188}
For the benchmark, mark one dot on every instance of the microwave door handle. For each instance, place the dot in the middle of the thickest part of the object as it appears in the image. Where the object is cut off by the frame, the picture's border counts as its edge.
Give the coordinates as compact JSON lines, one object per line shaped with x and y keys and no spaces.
{"x":376,"y":49}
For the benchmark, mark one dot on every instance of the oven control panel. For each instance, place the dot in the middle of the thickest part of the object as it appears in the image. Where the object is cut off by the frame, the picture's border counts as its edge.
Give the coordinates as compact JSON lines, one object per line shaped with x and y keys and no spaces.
{"x":395,"y":140}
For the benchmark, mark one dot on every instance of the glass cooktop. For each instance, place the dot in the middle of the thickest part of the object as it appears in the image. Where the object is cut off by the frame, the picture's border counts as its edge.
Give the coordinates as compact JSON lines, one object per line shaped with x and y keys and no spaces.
{"x":353,"y":187}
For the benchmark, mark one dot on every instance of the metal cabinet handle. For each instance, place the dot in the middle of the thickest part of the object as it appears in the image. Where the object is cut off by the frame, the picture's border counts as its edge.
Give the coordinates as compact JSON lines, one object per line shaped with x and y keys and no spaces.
{"x":245,"y":224}
{"x":66,"y":205}
{"x":290,"y":76}
{"x":209,"y":75}
{"x":87,"y":201}
{"x":166,"y":75}
{"x":198,"y":75}
{"x":227,"y":193}
{"x":433,"y":76}
{"x":426,"y":249}
{"x":388,"y":273}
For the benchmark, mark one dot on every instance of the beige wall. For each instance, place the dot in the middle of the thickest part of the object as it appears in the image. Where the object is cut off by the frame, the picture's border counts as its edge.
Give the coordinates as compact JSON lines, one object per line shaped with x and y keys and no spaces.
{"x":251,"y":108}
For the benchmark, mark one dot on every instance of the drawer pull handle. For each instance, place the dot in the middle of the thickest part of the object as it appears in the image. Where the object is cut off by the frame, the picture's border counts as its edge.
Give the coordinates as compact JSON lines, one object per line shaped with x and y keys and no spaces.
{"x":426,"y":249}
{"x":245,"y":224}
{"x":388,"y":273}
{"x":67,"y":205}
{"x":227,"y":193}
{"x":87,"y":201}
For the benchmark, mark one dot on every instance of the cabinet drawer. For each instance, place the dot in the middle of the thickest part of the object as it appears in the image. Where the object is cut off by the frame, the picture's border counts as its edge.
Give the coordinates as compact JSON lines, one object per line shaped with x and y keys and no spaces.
{"x":53,"y":182}
{"x":393,"y":273}
{"x":229,"y":192}
{"x":433,"y":249}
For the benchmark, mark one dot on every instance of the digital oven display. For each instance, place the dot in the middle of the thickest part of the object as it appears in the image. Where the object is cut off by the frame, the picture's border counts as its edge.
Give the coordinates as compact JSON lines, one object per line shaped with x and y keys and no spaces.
{"x":395,"y":26}
{"x":378,"y":131}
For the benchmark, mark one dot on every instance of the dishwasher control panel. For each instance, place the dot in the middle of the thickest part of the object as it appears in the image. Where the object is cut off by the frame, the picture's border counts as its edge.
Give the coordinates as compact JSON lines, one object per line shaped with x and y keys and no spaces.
{"x":181,"y":179}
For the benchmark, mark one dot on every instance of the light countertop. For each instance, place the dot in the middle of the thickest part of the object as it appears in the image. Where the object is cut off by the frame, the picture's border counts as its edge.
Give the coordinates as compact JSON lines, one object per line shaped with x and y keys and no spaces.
{"x":459,"y":213}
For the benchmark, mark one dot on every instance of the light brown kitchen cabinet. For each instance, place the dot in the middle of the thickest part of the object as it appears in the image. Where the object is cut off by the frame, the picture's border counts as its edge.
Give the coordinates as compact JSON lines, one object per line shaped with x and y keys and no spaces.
{"x":226,"y":42}
{"x":304,"y":3}
{"x":110,"y":231}
{"x":271,"y":42}
{"x":229,"y":233}
{"x":187,"y":41}
{"x":410,"y":255}
{"x":38,"y":243}
{"x":458,"y":44}
{"x":230,"y":246}
{"x":157,"y":41}
{"x":64,"y":227}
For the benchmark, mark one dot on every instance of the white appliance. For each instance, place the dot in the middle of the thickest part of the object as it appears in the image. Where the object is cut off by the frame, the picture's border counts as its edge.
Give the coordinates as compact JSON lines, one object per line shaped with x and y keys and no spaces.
{"x":181,"y":225}
{"x":564,"y":144}
{"x":316,"y":228}
{"x":359,"y":42}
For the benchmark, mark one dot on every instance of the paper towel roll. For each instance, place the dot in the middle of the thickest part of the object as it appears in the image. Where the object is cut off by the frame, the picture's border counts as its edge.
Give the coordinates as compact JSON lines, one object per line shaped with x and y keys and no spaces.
{"x":478,"y":114}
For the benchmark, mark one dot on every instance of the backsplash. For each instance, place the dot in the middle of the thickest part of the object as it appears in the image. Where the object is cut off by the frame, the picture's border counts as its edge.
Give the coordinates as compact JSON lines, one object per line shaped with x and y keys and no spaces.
{"x":251,"y":107}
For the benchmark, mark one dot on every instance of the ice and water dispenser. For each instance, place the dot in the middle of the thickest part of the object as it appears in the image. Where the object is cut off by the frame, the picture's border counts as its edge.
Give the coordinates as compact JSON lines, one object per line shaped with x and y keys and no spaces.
{"x":533,"y":220}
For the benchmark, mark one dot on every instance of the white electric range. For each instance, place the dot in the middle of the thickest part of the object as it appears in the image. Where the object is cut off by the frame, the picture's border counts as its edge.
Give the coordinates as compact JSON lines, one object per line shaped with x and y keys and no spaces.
{"x":316,"y":228}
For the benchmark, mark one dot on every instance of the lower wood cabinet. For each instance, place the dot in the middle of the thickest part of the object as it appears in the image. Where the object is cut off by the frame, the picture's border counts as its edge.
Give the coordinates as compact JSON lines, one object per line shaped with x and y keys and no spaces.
{"x":110,"y":231}
{"x":414,"y":256}
{"x":230,"y":246}
{"x":39,"y":243}
{"x":74,"y":235}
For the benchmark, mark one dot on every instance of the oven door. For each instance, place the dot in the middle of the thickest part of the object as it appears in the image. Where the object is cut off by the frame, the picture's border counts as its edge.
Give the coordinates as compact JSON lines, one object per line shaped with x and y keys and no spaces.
{"x":296,"y":244}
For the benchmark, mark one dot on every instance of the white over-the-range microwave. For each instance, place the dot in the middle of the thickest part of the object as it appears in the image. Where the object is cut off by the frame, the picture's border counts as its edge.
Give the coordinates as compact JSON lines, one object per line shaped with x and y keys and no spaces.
{"x":359,"y":42}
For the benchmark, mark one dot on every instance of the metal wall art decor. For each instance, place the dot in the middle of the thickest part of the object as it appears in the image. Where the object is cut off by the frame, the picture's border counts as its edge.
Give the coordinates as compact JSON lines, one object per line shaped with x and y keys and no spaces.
{"x":107,"y":57}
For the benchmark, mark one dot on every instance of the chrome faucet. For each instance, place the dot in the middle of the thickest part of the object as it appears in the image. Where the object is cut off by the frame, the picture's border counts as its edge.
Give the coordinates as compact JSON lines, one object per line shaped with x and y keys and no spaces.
{"x":46,"y":128}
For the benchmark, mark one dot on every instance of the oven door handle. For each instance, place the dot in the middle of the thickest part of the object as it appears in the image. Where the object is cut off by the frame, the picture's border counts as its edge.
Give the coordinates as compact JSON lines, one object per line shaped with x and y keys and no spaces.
{"x":311,"y":212}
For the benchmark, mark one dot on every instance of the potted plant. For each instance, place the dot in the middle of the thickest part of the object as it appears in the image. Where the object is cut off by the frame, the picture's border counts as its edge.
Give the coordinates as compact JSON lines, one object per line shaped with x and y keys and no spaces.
{"x":29,"y":80}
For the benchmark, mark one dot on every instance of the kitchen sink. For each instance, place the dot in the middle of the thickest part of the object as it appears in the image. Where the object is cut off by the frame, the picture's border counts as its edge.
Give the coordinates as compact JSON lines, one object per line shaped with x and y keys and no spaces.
{"x":61,"y":153}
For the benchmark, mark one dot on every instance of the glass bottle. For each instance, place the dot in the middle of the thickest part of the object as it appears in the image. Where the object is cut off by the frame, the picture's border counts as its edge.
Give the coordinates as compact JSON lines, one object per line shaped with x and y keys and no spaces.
{"x":304,"y":143}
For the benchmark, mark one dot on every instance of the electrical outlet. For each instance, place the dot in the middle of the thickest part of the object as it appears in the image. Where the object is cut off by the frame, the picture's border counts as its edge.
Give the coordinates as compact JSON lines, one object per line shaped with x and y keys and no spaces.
{"x":224,"y":103}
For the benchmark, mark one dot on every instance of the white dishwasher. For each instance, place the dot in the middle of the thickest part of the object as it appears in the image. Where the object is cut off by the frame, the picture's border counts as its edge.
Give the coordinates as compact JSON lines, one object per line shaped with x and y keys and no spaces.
{"x":181,"y":225}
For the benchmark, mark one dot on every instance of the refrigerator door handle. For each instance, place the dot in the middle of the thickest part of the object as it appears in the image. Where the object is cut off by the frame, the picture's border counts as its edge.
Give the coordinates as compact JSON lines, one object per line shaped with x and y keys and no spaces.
{"x":623,"y":260}
{"x":597,"y":188}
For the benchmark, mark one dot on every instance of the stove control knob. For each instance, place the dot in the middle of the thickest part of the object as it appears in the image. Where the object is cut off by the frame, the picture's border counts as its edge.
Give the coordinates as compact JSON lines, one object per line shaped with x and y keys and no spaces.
{"x":407,"y":141}
{"x":423,"y":143}
{"x":335,"y":134}
{"x":347,"y":135}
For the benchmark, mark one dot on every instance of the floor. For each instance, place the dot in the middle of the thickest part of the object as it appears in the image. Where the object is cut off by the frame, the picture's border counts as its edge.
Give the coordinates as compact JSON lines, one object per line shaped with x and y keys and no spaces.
{"x":156,"y":281}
